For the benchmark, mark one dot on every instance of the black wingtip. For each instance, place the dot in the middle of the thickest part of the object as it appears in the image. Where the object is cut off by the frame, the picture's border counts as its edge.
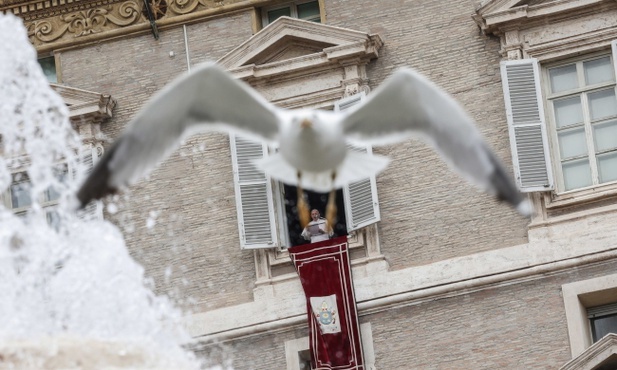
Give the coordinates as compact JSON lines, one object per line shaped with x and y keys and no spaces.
{"x":96,"y":185}
{"x":507,"y":191}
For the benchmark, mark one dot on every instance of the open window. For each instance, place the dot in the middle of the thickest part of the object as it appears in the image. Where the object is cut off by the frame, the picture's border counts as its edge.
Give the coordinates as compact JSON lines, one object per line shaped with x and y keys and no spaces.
{"x":258,"y":200}
{"x":298,"y":64}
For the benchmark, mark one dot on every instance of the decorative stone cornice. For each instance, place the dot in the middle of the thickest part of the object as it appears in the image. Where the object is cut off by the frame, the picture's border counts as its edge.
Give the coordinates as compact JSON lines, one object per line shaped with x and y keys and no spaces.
{"x":497,"y":16}
{"x":86,"y":22}
{"x":548,"y":29}
{"x":57,"y":24}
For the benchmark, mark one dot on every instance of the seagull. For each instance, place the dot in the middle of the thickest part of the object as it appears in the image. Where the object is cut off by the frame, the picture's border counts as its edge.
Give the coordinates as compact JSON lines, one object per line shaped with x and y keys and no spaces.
{"x":312,"y":144}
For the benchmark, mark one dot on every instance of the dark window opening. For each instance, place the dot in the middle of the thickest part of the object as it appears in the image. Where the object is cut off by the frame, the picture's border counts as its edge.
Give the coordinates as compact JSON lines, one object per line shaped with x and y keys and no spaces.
{"x":600,"y":326}
{"x":48,"y":65}
{"x":309,"y":11}
{"x":305,"y":359}
{"x":275,"y":14}
{"x":315,"y":201}
{"x":603,"y":320}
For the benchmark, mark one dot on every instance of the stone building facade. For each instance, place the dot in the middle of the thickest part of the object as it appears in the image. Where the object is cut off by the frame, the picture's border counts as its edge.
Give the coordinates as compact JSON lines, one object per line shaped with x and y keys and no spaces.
{"x":445,"y":277}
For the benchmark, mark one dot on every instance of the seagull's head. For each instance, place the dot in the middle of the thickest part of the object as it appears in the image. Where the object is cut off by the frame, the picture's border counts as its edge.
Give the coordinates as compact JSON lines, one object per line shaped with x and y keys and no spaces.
{"x":306,"y":123}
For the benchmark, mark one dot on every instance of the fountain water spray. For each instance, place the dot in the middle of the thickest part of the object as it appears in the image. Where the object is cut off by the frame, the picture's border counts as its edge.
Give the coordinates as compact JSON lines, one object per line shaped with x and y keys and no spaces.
{"x":72,"y":297}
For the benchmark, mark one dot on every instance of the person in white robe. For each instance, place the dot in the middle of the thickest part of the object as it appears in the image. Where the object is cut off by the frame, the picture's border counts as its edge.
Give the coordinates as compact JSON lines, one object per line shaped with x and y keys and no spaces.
{"x":318,"y":229}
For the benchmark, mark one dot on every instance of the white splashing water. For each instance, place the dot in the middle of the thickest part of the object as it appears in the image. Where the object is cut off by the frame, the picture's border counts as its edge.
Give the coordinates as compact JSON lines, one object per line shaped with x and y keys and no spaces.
{"x":70,"y":295}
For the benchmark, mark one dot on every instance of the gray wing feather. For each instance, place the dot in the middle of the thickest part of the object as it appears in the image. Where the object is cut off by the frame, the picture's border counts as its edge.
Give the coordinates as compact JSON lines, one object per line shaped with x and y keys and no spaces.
{"x":408,"y":104}
{"x":206,"y":99}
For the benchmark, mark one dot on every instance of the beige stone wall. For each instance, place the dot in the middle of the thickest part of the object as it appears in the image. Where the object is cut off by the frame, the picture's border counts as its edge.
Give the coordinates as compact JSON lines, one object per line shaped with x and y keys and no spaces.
{"x":429,"y":213}
{"x":512,"y":326}
{"x":193,"y":251}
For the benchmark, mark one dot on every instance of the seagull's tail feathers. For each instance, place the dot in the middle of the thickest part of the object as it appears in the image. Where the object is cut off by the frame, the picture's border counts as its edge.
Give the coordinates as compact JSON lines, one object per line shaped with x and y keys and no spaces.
{"x":359,"y":166}
{"x":355,"y":167}
{"x":276,"y":167}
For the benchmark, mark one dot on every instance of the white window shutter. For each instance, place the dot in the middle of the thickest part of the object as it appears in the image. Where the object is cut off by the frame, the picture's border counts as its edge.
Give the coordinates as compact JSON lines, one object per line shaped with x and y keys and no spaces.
{"x":89,"y":155}
{"x":361,"y":203}
{"x":254,"y":202}
{"x":526,"y":124}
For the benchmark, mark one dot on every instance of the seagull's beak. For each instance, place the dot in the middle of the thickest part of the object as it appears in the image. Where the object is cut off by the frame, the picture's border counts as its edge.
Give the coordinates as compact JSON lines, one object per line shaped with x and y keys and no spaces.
{"x":306,"y":123}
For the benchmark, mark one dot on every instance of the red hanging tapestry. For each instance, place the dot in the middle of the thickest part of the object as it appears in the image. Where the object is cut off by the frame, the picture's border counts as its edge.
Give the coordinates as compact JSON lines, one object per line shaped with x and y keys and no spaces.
{"x":334,"y":332}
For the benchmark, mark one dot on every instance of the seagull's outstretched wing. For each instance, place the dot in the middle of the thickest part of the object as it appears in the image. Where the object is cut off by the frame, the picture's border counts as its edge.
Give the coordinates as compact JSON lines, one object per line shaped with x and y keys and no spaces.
{"x":408,"y":104}
{"x":207,"y":98}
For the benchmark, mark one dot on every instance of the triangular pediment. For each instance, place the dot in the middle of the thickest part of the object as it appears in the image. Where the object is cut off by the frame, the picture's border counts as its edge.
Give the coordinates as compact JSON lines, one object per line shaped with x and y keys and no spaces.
{"x":295,"y":63}
{"x":288,"y":39}
{"x":288,"y":47}
{"x":85,"y":106}
{"x":602,"y":355}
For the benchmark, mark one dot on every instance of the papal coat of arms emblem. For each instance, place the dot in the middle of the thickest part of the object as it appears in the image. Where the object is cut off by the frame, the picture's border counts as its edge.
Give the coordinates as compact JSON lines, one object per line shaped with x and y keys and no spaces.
{"x":325,"y":311}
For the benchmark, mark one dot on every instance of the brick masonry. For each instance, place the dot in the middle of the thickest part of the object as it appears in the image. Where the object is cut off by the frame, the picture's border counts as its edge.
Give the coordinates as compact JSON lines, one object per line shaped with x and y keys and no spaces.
{"x":428,"y":213}
{"x":193,"y":253}
{"x":518,"y":325}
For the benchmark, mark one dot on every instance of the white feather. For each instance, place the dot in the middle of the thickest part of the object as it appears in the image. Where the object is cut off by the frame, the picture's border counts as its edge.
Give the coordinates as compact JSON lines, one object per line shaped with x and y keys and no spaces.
{"x":312,"y":143}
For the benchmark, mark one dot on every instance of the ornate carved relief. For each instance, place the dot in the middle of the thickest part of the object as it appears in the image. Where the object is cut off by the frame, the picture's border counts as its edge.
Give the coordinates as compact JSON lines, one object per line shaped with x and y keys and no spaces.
{"x":83,"y":22}
{"x":71,"y":22}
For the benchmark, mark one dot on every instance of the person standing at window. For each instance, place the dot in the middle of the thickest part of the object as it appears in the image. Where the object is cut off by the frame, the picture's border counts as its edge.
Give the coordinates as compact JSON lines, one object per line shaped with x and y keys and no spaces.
{"x":318,"y":229}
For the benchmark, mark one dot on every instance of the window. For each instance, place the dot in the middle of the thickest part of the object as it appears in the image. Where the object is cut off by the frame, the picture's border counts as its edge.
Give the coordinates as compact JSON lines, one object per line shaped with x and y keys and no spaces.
{"x":304,"y":359}
{"x":581,"y":111}
{"x":603,"y":320}
{"x":307,"y":10}
{"x":48,"y":64}
{"x":591,"y":311}
{"x":263,"y":205}
{"x":19,"y":197}
{"x":289,"y":198}
{"x":583,"y":116}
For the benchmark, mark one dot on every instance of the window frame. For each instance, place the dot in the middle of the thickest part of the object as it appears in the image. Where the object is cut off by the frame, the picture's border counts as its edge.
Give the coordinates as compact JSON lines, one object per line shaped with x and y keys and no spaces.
{"x":548,"y":100}
{"x":275,"y":218}
{"x":89,"y":156}
{"x":601,"y":312}
{"x":293,"y":6}
{"x":47,"y":204}
{"x":578,"y":297}
{"x":57,"y":75}
{"x":282,"y":221}
{"x":551,"y":195}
